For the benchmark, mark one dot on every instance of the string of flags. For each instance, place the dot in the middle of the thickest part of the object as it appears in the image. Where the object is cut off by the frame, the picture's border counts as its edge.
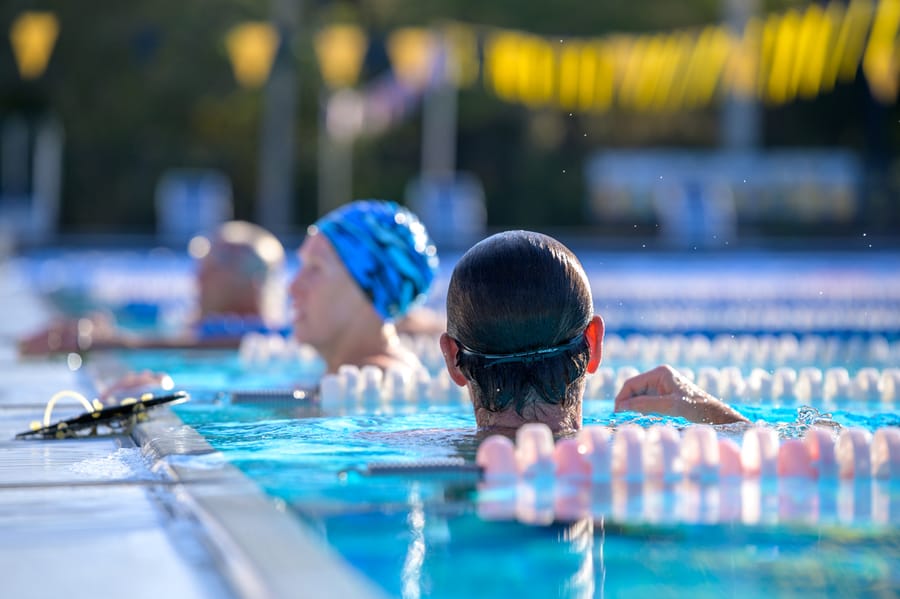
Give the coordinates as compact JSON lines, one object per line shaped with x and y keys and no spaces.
{"x":777,"y":58}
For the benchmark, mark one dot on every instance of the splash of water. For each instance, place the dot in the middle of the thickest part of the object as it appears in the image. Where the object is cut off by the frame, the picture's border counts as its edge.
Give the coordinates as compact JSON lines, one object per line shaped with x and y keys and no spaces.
{"x":807,"y":417}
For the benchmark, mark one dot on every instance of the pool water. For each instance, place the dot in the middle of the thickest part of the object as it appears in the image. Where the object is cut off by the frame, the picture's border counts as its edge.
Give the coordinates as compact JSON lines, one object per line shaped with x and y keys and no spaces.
{"x":207,"y":372}
{"x":442,"y":535}
{"x":449,"y":535}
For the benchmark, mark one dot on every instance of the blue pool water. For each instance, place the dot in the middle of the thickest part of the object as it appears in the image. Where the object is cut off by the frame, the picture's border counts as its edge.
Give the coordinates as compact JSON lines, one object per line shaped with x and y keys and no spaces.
{"x":429,"y":536}
{"x":451,"y":536}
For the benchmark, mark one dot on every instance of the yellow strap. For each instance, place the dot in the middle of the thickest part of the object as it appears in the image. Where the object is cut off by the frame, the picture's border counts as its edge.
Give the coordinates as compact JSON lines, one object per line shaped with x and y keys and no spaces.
{"x":48,"y":411}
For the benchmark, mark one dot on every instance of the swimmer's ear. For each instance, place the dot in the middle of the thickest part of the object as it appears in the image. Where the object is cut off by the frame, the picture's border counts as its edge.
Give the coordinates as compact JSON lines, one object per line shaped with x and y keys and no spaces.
{"x":594,"y":335}
{"x":450,"y":349}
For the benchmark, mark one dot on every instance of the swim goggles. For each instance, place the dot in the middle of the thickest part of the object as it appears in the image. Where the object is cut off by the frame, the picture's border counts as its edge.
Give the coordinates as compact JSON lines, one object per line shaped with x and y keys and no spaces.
{"x":525,"y":357}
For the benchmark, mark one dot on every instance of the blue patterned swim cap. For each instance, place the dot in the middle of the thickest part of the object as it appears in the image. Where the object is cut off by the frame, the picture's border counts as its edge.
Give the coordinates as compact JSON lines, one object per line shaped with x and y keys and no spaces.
{"x":386,"y":250}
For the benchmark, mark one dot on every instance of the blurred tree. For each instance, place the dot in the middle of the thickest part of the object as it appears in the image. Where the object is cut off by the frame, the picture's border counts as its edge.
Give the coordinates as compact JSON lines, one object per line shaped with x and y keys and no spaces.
{"x":146,"y":85}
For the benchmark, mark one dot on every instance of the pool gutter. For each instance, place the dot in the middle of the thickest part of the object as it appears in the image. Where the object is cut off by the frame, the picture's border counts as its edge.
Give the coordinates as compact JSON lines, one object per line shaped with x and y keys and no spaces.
{"x":261,"y":550}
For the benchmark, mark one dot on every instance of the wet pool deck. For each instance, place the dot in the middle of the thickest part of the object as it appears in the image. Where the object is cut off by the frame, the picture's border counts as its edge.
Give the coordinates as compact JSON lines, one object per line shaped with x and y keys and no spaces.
{"x":155,"y":514}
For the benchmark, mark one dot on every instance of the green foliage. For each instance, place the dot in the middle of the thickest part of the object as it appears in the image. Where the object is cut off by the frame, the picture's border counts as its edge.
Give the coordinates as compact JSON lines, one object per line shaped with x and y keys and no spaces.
{"x":146,"y":85}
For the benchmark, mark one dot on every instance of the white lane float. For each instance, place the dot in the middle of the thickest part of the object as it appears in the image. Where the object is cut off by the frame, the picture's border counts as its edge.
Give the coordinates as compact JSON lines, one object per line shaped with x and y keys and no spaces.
{"x":497,"y":456}
{"x":781,"y":384}
{"x":820,"y":445}
{"x":759,"y":452}
{"x":700,"y":452}
{"x":774,"y":350}
{"x":695,"y":475}
{"x":662,"y":453}
{"x":633,"y":454}
{"x":571,"y":460}
{"x":794,"y":460}
{"x":628,"y":453}
{"x":885,"y":453}
{"x":853,"y":453}
{"x":597,"y":451}
{"x":890,"y":385}
{"x":535,"y":451}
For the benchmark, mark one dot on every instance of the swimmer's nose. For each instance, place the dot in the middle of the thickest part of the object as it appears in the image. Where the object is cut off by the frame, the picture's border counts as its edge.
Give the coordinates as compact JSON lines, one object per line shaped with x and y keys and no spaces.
{"x":296,"y":285}
{"x":202,"y":269}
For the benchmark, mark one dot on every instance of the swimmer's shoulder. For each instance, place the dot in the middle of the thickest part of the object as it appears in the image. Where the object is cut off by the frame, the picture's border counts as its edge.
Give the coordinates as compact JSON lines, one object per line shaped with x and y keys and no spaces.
{"x":421,"y":321}
{"x":399,"y":359}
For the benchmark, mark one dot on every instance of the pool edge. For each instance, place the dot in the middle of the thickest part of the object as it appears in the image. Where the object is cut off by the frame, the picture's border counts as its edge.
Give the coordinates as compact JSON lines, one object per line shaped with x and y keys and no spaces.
{"x":260,"y":550}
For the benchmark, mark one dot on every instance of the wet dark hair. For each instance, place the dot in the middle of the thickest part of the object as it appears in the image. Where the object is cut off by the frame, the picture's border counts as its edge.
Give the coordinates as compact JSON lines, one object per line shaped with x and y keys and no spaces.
{"x":517,"y":307}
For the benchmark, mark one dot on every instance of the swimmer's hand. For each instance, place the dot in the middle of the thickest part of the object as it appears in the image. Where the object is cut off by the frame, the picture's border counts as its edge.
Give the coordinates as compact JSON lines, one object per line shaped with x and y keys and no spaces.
{"x":134,"y":383}
{"x":69,"y":335}
{"x":664,"y":390}
{"x":421,"y":321}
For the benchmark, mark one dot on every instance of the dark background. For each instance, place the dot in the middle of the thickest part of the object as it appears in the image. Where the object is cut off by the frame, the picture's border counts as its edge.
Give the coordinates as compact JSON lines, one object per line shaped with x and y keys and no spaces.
{"x":146,"y":85}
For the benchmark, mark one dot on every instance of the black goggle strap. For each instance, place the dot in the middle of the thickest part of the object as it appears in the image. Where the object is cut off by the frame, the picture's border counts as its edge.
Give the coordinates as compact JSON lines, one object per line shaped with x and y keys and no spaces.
{"x":526,"y":357}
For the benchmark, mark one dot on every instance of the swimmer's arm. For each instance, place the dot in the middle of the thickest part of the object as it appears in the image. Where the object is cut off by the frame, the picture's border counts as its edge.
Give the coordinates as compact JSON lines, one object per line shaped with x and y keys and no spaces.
{"x":132,"y":383}
{"x":71,"y":335}
{"x":664,"y":390}
{"x":64,"y":336}
{"x":181,"y":342}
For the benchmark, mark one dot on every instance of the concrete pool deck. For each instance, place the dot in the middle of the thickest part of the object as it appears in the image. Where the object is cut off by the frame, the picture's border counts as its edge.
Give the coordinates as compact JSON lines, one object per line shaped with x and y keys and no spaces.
{"x":157,"y":513}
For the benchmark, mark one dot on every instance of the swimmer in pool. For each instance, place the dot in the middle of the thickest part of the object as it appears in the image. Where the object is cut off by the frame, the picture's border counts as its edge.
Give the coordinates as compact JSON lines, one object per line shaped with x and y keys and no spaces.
{"x":241,"y":276}
{"x":240,"y":288}
{"x":363,"y":266}
{"x":522,"y":336}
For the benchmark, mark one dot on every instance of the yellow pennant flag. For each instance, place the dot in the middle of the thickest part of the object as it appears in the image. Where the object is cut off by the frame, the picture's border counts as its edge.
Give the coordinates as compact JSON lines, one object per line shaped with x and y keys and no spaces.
{"x":412,"y":53}
{"x":340,"y":50}
{"x":251,"y":48}
{"x":33,"y":35}
{"x":880,"y":63}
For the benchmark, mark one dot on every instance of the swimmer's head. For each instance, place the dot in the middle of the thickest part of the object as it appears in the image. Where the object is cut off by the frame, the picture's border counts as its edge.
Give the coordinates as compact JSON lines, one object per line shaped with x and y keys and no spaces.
{"x":240,"y":272}
{"x":521,"y":330}
{"x":386,"y":251}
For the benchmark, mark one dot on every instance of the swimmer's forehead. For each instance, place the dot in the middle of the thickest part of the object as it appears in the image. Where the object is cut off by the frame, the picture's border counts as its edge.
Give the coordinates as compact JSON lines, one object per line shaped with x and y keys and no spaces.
{"x":317,"y":246}
{"x":241,"y":235}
